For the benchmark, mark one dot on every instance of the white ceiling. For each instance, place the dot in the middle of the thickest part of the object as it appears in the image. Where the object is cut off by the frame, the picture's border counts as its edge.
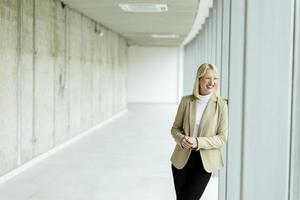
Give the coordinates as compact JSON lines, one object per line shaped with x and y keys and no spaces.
{"x":138,"y":27}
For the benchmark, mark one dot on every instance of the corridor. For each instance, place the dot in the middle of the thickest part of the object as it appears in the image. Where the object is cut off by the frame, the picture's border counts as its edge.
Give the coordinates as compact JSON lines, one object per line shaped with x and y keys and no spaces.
{"x":127,"y":158}
{"x":89,"y":91}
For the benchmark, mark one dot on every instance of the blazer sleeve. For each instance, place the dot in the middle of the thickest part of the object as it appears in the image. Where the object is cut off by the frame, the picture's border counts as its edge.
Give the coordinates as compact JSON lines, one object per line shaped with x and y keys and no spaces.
{"x":220,"y":138}
{"x":177,"y":128}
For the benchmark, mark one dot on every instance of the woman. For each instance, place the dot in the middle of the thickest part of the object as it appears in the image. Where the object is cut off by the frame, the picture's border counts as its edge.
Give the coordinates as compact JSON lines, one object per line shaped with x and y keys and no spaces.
{"x":200,"y":129}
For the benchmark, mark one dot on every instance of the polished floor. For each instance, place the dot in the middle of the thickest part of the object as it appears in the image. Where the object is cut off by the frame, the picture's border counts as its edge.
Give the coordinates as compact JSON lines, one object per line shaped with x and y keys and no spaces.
{"x":125,"y":159}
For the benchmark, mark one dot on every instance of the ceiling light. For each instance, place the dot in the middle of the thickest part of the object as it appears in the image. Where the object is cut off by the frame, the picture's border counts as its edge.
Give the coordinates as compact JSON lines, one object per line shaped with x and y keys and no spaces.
{"x":144,"y":7}
{"x":171,"y":36}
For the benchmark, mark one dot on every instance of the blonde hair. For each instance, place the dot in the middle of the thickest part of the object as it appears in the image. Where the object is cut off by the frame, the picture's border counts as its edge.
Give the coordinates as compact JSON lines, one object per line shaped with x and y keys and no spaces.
{"x":202,"y":69}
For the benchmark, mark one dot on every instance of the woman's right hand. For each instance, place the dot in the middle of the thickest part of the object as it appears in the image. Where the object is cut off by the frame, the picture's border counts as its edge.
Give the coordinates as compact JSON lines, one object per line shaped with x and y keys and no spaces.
{"x":186,"y":144}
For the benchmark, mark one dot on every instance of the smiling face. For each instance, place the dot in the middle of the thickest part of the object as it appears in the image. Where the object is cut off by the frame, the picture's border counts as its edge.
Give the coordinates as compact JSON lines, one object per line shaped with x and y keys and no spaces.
{"x":208,"y":82}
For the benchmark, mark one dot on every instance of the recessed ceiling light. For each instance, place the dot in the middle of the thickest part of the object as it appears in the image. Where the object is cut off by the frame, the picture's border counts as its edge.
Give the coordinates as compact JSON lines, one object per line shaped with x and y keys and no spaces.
{"x":171,"y":36}
{"x":144,"y":7}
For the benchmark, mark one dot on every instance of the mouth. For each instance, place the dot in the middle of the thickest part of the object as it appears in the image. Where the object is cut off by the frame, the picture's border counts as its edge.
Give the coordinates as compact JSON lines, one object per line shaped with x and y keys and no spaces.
{"x":210,"y":87}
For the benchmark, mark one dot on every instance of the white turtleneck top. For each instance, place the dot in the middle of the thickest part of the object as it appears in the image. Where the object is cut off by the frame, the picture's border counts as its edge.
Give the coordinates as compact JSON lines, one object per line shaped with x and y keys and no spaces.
{"x":200,"y":106}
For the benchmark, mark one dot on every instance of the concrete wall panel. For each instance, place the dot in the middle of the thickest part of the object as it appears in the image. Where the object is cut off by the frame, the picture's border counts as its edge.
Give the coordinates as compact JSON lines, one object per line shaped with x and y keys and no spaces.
{"x":103,"y":76}
{"x":74,"y":66}
{"x":26,"y":79}
{"x":44,"y":76}
{"x":114,"y":70}
{"x":8,"y":85}
{"x":123,"y":74}
{"x":61,"y":87}
{"x":87,"y":29}
{"x":108,"y":76}
{"x":96,"y":64}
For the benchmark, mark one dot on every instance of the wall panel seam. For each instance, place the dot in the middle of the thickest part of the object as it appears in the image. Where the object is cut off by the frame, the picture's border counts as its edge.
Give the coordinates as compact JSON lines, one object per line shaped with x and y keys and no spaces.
{"x":228,"y":85}
{"x":292,"y":132}
{"x":243,"y":98}
{"x":18,"y":80}
{"x":33,"y":141}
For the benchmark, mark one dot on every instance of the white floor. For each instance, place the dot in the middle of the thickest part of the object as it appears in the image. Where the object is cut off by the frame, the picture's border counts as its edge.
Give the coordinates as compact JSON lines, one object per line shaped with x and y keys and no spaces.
{"x":126,"y":159}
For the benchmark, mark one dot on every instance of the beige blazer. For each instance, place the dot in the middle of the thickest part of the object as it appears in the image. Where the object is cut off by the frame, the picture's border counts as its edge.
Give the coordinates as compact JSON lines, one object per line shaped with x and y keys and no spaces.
{"x":212,"y":133}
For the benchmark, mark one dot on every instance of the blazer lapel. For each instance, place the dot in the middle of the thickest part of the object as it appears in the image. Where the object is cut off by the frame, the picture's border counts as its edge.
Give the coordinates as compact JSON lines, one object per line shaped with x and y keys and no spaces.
{"x":192,"y":116}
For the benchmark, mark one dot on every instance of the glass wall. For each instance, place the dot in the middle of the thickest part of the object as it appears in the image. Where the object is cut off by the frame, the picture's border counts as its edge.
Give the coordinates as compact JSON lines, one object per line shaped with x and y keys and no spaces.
{"x":254,"y":44}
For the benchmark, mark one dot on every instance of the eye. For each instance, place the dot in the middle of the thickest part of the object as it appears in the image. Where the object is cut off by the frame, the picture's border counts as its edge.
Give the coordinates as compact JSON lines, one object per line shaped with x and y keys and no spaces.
{"x":210,"y":78}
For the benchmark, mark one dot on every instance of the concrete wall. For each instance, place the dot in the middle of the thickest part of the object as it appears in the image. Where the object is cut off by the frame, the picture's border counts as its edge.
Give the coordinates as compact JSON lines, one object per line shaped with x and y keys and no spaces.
{"x":156,"y":71}
{"x":58,"y":78}
{"x":259,"y":67}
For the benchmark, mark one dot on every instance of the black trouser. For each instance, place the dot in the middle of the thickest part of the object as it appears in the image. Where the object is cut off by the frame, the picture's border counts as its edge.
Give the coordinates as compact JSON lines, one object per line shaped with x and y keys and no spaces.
{"x":191,"y":181}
